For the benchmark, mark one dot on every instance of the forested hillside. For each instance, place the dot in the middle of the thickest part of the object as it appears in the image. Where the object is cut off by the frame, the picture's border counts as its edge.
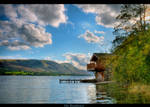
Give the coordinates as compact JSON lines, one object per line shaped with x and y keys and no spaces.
{"x":131,"y":62}
{"x":37,"y":67}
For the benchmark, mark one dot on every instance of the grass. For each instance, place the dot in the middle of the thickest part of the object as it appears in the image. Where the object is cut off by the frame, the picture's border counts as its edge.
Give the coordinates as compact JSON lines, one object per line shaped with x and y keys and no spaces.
{"x":140,"y":88}
{"x":136,"y":93}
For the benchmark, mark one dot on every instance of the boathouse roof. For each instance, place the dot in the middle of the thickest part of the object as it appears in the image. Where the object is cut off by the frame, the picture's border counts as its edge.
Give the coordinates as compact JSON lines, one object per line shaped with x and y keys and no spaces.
{"x":96,"y":56}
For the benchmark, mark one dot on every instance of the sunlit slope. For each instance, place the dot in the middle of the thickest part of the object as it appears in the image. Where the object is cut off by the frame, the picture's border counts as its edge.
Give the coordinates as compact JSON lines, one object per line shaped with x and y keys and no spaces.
{"x":131,"y":62}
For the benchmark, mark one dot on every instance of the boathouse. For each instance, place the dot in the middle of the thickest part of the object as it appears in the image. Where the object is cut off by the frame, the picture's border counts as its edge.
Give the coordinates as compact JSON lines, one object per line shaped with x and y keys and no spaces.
{"x":98,"y":65}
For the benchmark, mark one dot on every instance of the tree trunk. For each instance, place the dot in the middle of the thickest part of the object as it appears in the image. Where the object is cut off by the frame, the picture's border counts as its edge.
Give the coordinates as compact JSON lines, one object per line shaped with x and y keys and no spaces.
{"x":144,"y":16}
{"x":141,"y":25}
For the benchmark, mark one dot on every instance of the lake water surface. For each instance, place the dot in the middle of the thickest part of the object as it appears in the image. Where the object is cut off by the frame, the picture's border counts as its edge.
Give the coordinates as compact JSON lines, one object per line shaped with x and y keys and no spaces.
{"x":47,"y":89}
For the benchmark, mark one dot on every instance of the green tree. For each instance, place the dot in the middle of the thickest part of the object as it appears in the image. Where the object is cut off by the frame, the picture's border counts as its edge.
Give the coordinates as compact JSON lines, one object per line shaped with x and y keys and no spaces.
{"x":132,"y":19}
{"x":117,"y":41}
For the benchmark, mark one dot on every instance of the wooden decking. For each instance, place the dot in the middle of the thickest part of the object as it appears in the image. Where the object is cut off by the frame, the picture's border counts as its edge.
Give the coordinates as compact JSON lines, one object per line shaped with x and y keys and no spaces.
{"x":83,"y":81}
{"x":69,"y":80}
{"x":77,"y":81}
{"x":104,"y":82}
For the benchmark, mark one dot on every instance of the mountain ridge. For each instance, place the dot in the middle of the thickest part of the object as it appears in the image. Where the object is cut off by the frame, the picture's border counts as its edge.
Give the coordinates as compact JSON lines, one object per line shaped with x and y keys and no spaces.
{"x":38,"y":67}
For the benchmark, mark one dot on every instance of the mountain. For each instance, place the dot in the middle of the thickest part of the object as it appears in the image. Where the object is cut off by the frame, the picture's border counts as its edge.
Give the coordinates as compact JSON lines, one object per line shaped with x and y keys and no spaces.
{"x":37,"y":67}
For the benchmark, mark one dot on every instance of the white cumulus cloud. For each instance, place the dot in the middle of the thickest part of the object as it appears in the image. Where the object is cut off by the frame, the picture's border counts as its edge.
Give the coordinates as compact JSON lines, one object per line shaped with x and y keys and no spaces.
{"x":16,"y":38}
{"x":43,"y":14}
{"x":79,"y":60}
{"x":26,"y":24}
{"x":91,"y":37}
{"x":60,"y":61}
{"x":99,"y":32}
{"x":105,"y":13}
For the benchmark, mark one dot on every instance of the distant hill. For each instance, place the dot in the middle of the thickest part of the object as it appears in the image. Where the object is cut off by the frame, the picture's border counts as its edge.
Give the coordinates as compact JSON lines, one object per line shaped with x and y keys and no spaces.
{"x":37,"y":67}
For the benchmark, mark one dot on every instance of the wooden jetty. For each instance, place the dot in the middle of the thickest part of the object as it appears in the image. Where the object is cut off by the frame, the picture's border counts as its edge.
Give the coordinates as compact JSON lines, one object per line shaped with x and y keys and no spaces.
{"x":104,"y":82}
{"x":69,"y":80}
{"x":77,"y":80}
{"x":83,"y":81}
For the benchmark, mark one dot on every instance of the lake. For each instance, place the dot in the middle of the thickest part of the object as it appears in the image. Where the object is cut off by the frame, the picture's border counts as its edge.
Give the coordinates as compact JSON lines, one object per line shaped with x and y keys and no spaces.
{"x":47,"y":89}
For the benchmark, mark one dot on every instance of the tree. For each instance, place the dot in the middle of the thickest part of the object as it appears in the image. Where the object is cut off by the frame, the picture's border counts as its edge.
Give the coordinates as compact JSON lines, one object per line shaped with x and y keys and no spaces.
{"x":118,"y":40}
{"x":132,"y":18}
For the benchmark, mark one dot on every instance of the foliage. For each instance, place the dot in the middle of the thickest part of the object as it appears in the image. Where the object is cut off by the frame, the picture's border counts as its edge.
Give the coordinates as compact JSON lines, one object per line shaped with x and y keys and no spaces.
{"x":131,"y":59}
{"x":117,"y":41}
{"x":131,"y":62}
{"x":18,"y":73}
{"x":132,"y":19}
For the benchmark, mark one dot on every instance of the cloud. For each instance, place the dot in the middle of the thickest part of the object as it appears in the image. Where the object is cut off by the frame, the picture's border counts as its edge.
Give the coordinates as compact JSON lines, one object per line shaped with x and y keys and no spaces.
{"x":99,"y":32}
{"x":79,"y":60}
{"x":105,"y":14}
{"x":60,"y":61}
{"x":23,"y":37}
{"x":19,"y":47}
{"x":91,"y":38}
{"x":47,"y":58}
{"x":86,"y":25}
{"x":45,"y":14}
{"x":13,"y":57}
{"x":48,"y":14}
{"x":25,"y":26}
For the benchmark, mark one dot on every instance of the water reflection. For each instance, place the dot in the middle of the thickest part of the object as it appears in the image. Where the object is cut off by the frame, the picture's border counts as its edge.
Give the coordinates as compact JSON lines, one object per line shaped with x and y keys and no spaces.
{"x":91,"y":90}
{"x":19,"y":89}
{"x":47,"y":89}
{"x":102,"y":96}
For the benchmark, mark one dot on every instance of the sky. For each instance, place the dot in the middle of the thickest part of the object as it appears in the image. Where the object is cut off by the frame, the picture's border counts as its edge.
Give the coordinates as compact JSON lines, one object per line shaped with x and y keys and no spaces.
{"x":65,"y":33}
